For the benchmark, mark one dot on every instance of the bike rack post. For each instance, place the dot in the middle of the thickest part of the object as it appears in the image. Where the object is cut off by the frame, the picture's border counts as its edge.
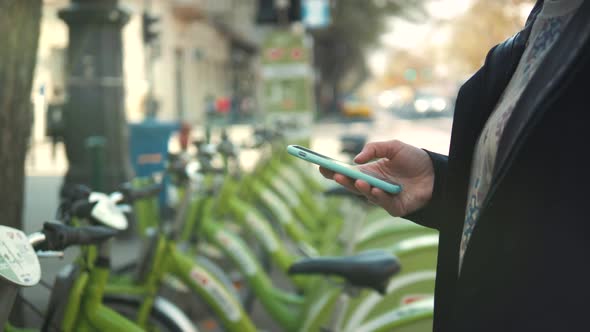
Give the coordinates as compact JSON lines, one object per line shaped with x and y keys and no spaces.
{"x":95,"y":148}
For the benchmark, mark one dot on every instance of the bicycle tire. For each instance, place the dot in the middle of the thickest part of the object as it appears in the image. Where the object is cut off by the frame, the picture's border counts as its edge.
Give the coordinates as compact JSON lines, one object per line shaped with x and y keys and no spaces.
{"x":159,"y":319}
{"x":188,"y":302}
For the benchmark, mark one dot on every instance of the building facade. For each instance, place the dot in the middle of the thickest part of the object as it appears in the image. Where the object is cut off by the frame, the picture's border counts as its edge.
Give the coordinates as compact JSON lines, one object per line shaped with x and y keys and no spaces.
{"x":205,"y":49}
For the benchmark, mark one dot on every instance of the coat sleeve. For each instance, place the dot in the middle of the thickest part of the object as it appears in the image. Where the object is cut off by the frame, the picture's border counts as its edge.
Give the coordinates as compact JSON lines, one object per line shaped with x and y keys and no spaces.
{"x":430,"y":214}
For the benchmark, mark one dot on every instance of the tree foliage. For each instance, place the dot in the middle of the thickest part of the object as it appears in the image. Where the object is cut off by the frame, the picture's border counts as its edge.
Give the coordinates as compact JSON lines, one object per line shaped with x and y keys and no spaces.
{"x":19,"y":31}
{"x":339,"y":50}
{"x":484,"y":25}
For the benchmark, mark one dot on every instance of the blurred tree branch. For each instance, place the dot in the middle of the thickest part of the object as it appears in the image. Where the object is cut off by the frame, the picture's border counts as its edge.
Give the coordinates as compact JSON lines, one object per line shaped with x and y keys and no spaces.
{"x":484,"y":25}
{"x":339,"y":50}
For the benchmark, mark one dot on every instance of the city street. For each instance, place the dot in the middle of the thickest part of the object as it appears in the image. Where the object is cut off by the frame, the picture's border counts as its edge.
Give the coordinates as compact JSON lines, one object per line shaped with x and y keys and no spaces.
{"x":44,"y":176}
{"x":127,"y":85}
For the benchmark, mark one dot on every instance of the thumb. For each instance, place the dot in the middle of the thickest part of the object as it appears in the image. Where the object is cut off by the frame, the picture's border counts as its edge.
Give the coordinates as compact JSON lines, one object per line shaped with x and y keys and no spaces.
{"x":375,"y":150}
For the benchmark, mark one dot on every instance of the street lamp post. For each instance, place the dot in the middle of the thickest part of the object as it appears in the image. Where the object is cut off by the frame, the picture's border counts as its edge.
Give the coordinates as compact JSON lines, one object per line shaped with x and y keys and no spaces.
{"x":282,"y":7}
{"x":95,"y":91}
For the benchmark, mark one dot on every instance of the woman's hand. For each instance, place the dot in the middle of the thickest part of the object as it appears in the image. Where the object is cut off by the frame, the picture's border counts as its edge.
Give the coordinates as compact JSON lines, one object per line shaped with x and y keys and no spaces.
{"x":398,"y":163}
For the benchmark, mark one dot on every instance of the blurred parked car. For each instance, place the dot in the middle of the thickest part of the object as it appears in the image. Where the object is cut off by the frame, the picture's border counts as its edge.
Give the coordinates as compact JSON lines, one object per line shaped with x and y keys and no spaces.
{"x":355,"y":107}
{"x":427,"y":105}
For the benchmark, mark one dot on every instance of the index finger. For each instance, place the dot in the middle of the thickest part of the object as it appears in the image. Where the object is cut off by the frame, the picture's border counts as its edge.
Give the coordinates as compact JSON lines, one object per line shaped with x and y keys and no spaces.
{"x":374,"y":150}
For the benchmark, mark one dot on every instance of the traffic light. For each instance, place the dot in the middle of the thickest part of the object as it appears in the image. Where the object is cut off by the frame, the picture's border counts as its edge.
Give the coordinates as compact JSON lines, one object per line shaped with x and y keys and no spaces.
{"x":268,"y":13}
{"x":149,"y":29}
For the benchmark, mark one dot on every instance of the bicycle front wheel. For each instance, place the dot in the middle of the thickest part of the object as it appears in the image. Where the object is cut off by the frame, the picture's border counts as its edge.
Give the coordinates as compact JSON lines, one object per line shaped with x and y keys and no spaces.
{"x":164,"y":317}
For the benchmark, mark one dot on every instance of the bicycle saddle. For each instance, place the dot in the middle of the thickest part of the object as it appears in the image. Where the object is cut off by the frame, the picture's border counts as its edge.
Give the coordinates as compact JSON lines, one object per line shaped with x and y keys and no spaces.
{"x":369,"y":269}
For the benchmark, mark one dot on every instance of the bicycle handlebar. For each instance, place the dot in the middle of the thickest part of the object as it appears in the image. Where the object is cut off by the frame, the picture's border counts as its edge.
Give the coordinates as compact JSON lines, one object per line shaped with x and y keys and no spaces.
{"x":75,"y":192}
{"x":82,"y":208}
{"x":131,"y":194}
{"x":58,"y":236}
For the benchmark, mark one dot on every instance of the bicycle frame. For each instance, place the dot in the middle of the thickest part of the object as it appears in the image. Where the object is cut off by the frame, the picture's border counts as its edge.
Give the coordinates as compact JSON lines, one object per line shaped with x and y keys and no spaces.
{"x":281,"y":305}
{"x":310,"y":312}
{"x":292,"y":312}
{"x":328,"y":225}
{"x":416,"y":281}
{"x":85,"y":311}
{"x":169,"y":261}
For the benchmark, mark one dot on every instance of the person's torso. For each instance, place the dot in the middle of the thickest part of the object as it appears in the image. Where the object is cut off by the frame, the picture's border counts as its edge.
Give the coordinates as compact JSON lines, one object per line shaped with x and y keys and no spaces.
{"x":545,"y":32}
{"x":509,"y":255}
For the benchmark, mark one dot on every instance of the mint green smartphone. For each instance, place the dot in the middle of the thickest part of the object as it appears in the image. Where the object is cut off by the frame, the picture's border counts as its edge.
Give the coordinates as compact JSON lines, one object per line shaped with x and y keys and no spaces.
{"x":343,"y":168}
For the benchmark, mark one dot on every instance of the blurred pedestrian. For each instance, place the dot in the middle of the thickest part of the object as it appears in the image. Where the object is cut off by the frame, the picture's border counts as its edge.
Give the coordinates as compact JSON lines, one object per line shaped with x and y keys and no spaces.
{"x":223,"y":105}
{"x":209,"y":105}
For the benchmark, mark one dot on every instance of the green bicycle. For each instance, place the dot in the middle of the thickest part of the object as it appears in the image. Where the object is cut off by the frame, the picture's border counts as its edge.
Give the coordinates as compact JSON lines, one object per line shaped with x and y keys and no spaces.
{"x":19,"y":267}
{"x":80,"y":205}
{"x":284,"y":307}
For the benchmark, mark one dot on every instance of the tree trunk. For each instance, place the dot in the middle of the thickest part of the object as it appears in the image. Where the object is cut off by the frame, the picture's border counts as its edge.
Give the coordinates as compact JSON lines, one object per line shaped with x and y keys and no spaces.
{"x":19,"y":34}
